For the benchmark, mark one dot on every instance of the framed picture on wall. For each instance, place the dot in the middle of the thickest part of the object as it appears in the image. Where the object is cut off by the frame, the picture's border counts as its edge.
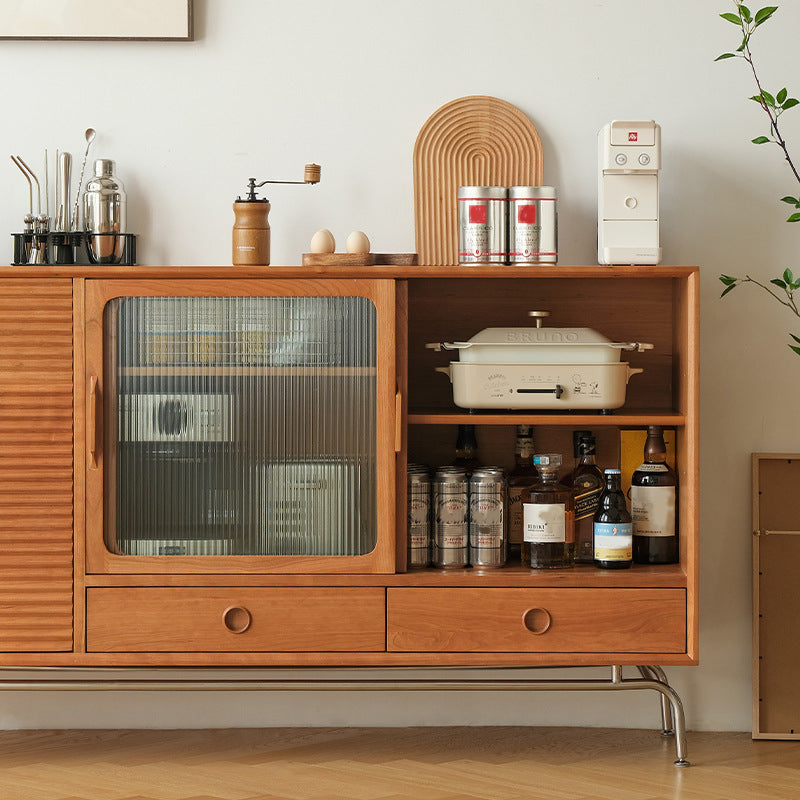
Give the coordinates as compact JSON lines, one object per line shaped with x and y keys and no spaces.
{"x":96,"y":19}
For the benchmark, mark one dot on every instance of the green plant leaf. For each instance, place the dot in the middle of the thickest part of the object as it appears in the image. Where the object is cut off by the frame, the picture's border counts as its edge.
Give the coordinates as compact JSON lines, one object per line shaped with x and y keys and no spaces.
{"x":781,"y":96}
{"x":734,"y":18}
{"x":729,"y":289}
{"x":794,"y":218}
{"x":789,"y":199}
{"x":727,"y":279}
{"x":761,"y":140}
{"x":768,"y":98}
{"x":796,"y":338}
{"x":778,"y":282}
{"x":725,"y":55}
{"x":763,"y":14}
{"x":796,"y":349}
{"x":790,"y":103}
{"x":787,"y":275}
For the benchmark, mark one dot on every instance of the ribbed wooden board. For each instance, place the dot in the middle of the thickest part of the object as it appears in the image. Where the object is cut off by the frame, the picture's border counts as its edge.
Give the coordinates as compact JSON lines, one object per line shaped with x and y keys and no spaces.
{"x":35,"y":465}
{"x":472,"y":141}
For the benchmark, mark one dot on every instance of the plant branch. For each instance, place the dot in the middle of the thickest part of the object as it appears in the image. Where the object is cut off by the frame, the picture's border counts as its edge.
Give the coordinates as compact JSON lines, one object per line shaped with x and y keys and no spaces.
{"x":773,"y":116}
{"x":789,"y":302}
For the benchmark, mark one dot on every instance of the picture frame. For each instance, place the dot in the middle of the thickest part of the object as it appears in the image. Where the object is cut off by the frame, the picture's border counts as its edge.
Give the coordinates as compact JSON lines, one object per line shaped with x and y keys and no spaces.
{"x":159,"y":20}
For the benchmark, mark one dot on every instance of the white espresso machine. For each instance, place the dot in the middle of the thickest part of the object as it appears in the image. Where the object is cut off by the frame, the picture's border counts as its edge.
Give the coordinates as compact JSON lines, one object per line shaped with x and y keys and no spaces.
{"x":629,"y":157}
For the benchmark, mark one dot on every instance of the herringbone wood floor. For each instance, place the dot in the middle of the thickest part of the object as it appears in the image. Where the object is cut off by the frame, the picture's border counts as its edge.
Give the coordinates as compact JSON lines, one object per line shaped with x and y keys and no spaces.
{"x":392,"y":763}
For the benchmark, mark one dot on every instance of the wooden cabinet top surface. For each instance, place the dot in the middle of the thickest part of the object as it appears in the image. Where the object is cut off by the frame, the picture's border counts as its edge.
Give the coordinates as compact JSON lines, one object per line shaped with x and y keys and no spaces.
{"x":378,"y":271}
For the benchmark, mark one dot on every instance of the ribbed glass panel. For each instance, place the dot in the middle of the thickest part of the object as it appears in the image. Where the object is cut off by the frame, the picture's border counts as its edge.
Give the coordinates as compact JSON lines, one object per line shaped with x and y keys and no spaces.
{"x":241,"y":426}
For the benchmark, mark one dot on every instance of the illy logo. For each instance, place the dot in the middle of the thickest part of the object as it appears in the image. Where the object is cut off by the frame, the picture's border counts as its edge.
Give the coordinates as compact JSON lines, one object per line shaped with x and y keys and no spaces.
{"x":633,"y":136}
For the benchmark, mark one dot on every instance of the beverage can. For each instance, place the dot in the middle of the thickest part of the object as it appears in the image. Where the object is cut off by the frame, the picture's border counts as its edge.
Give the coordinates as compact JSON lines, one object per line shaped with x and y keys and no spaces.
{"x":419,"y":515}
{"x":482,"y":235}
{"x":450,"y":543}
{"x":532,"y":225}
{"x":488,"y":519}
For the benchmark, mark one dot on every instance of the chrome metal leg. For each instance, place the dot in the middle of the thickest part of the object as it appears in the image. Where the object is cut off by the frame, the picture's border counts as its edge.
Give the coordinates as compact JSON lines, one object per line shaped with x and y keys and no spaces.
{"x":656,"y":673}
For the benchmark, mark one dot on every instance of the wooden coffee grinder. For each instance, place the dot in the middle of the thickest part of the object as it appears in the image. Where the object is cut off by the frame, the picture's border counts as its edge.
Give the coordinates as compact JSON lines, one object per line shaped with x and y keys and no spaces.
{"x":251,"y":226}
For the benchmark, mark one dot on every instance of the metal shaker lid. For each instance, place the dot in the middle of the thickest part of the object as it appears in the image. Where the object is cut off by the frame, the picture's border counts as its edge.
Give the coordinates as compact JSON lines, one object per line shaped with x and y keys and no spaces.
{"x":103,"y":168}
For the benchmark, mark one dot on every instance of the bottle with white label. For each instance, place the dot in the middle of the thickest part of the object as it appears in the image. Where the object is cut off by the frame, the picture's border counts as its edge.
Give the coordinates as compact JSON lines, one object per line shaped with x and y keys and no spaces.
{"x":612,"y":525}
{"x":654,"y":495}
{"x":548,"y":518}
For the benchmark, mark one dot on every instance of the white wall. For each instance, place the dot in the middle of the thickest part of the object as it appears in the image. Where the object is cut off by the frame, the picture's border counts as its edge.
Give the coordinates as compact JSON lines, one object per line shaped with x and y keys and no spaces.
{"x":269,"y":86}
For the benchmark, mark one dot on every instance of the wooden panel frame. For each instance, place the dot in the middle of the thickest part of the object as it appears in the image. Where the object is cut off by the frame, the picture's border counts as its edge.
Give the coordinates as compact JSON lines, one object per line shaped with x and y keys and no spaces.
{"x":776,"y":596}
{"x":380,"y":560}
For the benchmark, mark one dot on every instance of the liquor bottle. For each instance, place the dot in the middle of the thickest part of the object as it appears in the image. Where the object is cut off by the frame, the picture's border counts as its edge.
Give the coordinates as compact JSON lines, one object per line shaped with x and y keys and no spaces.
{"x":523,"y":476}
{"x":587,"y":483}
{"x":466,"y":449}
{"x":548,"y":518}
{"x":612,"y":525}
{"x":654,"y":494}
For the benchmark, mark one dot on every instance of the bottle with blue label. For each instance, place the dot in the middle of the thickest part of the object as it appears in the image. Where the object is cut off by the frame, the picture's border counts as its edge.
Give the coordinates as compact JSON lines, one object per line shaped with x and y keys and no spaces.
{"x":613,"y":531}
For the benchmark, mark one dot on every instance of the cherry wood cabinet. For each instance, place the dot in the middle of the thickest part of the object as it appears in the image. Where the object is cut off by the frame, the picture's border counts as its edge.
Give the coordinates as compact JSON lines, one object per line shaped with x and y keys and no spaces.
{"x":100,"y":608}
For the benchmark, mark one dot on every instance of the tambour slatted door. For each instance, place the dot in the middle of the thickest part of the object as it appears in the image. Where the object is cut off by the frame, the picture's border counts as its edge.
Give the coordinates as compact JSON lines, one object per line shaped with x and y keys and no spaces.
{"x":36,"y":478}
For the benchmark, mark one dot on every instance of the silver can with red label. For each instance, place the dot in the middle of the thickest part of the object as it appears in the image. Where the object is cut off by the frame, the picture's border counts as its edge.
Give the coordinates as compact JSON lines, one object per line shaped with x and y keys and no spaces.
{"x":488,"y":520}
{"x":451,"y":518}
{"x":532,"y":225}
{"x":482,"y":234}
{"x":419,"y":516}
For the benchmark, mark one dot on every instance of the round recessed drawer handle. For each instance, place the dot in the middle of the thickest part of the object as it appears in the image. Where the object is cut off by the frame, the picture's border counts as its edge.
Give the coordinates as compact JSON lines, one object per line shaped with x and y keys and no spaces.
{"x":237,"y":619}
{"x":537,"y":620}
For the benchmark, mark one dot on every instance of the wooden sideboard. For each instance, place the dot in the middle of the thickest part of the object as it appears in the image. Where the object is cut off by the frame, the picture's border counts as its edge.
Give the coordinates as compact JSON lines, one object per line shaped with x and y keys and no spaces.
{"x":66,"y":603}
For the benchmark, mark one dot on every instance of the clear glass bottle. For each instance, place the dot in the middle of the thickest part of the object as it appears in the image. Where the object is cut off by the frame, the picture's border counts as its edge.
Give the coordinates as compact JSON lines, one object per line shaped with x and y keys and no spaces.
{"x":548,"y":518}
{"x":612,"y":525}
{"x":522,"y":477}
{"x":587,"y":484}
{"x":654,"y":497}
{"x":466,"y":449}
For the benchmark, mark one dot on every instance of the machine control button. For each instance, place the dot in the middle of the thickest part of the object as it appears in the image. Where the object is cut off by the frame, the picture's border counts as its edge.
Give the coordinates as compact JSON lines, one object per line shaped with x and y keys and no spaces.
{"x":621,"y":159}
{"x":631,"y":202}
{"x":644,"y":159}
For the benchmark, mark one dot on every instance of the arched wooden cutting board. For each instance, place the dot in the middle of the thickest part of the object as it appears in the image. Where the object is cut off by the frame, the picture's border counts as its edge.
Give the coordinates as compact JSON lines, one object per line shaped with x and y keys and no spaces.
{"x":472,"y":141}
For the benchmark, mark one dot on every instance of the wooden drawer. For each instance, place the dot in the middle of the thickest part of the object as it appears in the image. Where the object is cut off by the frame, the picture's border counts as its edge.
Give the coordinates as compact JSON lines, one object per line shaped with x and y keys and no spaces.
{"x":534,"y":620}
{"x":225,"y":619}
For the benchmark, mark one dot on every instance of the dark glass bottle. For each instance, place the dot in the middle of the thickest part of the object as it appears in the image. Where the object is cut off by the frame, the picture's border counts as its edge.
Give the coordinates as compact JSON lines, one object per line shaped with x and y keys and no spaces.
{"x":466,"y":449}
{"x":654,"y":497}
{"x":548,"y":518}
{"x":612,"y":525}
{"x":587,"y":483}
{"x":522,"y":477}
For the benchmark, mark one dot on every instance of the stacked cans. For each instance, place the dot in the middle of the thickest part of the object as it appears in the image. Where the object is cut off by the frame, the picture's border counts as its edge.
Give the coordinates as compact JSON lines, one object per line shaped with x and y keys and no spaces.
{"x":507,"y":226}
{"x":466,"y":522}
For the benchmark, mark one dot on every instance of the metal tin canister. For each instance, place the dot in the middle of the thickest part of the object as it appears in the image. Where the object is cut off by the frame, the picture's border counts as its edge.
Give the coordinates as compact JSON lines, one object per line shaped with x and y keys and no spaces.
{"x":419,"y":515}
{"x":532,"y":225}
{"x":450,"y":492}
{"x":488,"y":521}
{"x":482,"y":228}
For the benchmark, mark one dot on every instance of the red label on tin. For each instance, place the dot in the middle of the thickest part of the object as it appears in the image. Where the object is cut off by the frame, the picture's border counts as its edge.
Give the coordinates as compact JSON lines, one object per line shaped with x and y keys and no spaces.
{"x":477,"y":214}
{"x":526,"y":214}
{"x":633,"y":136}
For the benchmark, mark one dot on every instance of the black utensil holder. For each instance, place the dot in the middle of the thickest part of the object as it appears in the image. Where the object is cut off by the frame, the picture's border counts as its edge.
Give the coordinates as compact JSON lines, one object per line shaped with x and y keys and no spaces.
{"x":75,"y":248}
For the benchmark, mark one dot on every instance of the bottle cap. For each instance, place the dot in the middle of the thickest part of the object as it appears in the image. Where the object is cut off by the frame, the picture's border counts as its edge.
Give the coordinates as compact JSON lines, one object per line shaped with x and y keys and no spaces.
{"x":547,"y":460}
{"x":576,"y":441}
{"x":613,"y":471}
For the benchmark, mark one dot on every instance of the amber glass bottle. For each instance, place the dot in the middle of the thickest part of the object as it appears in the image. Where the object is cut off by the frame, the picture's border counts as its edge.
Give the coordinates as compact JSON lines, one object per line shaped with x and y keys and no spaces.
{"x":548,"y":518}
{"x":654,"y":496}
{"x":522,"y":477}
{"x":466,"y":449}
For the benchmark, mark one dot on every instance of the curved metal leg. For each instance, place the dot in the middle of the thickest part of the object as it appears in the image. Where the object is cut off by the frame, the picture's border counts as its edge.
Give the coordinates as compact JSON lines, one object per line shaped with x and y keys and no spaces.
{"x":678,"y":717}
{"x":656,"y":673}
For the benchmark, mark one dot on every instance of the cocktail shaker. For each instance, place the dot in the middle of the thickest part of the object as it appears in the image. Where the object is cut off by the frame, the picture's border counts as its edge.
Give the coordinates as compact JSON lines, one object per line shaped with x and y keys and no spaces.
{"x":104,"y":214}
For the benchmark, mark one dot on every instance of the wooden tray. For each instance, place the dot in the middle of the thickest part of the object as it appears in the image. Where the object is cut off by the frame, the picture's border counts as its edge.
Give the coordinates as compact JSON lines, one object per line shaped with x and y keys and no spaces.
{"x":472,"y":141}
{"x":358,"y":260}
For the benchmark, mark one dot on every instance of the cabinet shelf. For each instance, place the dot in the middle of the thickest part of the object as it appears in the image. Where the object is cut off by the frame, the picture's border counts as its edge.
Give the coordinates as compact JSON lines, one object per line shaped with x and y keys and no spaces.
{"x":623,"y":418}
{"x":246,"y":371}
